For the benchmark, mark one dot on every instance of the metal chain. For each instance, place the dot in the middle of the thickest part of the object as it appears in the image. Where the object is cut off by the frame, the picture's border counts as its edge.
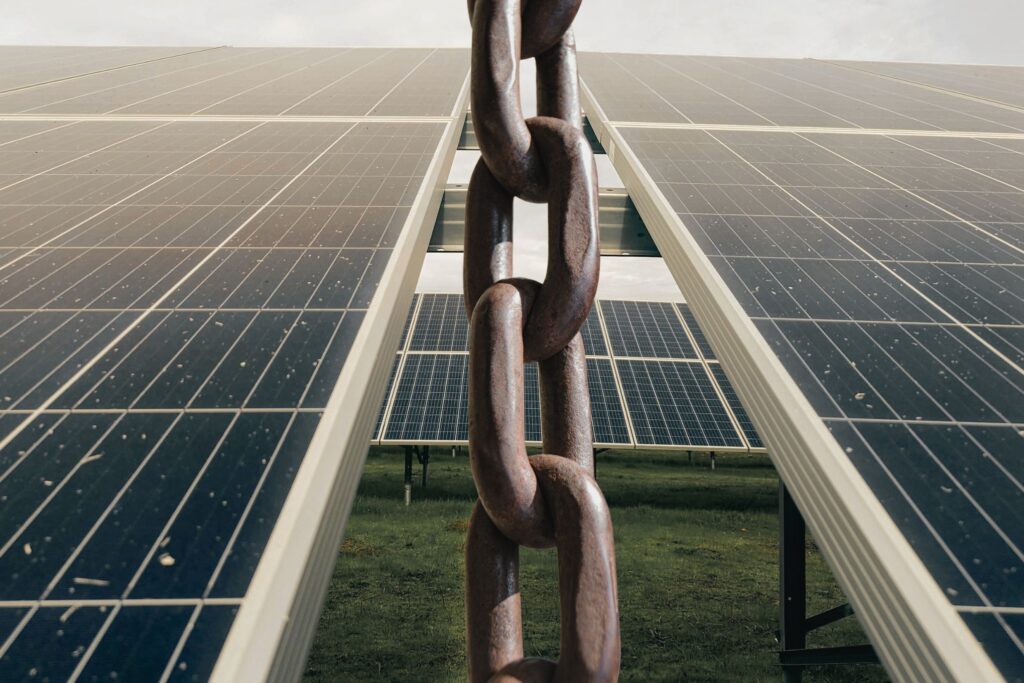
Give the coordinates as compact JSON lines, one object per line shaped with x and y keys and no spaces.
{"x":552,"y":499}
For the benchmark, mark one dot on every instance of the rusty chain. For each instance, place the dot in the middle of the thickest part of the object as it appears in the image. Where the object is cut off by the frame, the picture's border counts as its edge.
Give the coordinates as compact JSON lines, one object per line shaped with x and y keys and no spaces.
{"x":552,"y":499}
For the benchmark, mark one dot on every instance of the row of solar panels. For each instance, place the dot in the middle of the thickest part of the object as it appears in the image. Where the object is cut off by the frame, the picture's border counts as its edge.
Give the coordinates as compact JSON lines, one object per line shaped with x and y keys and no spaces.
{"x":179,"y":297}
{"x":654,"y":381}
{"x":866,"y":291}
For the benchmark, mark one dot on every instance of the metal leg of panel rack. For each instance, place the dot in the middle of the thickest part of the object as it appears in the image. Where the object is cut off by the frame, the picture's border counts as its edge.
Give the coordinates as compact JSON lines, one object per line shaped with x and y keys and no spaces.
{"x":794,"y":624}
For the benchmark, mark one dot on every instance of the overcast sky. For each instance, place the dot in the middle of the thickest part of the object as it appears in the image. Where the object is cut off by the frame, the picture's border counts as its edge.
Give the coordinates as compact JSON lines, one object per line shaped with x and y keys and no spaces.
{"x":966,"y":31}
{"x":985,"y":31}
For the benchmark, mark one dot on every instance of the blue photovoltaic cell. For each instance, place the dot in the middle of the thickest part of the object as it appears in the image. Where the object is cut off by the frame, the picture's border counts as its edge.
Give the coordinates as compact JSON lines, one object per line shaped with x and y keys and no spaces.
{"x":606,"y":411}
{"x":431,"y":398}
{"x":441,"y":324}
{"x":51,"y":642}
{"x":593,"y":338}
{"x":784,"y":92}
{"x":645,"y":329}
{"x":674,"y":403}
{"x":737,"y":408}
{"x":179,"y":298}
{"x":698,"y":335}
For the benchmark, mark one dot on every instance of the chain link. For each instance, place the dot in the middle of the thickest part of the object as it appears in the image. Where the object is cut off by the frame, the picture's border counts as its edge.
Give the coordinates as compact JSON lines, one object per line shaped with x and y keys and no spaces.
{"x":552,"y":499}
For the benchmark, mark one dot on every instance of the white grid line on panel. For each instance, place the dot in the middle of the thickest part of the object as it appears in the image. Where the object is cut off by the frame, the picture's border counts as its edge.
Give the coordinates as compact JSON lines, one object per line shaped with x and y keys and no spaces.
{"x":953,"y":319}
{"x":117,"y":339}
{"x":113,"y":68}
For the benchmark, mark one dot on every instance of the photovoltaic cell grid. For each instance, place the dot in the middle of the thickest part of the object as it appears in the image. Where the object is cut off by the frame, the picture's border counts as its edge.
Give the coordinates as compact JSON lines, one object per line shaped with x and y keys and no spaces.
{"x":724,"y":91}
{"x":26,"y":65}
{"x":177,"y":299}
{"x":886,"y":273}
{"x":679,"y":407}
{"x":996,"y":83}
{"x":259,"y":82}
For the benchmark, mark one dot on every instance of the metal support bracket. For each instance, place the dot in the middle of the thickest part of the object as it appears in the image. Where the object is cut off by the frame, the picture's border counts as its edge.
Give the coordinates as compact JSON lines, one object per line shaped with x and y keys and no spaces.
{"x":794,"y":624}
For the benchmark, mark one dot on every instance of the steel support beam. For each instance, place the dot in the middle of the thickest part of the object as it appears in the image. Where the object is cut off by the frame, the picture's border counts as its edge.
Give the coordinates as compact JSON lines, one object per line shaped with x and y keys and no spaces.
{"x":622,"y":231}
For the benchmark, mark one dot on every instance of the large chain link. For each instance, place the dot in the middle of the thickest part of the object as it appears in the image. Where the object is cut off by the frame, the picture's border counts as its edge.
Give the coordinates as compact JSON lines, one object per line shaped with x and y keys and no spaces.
{"x":546,"y":500}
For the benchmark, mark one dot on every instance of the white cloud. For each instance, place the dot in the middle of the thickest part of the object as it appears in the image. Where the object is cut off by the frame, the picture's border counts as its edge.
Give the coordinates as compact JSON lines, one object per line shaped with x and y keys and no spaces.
{"x":933,"y":30}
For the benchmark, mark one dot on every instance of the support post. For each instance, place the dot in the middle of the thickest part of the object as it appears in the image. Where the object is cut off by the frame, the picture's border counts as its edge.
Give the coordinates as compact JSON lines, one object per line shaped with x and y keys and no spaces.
{"x":712,"y":461}
{"x":408,"y":475}
{"x":794,"y":624}
{"x":792,"y":582}
{"x":424,"y":457}
{"x":689,"y":457}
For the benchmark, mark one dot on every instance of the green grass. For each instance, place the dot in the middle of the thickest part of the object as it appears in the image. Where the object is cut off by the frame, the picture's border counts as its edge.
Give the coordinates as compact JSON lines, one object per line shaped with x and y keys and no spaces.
{"x":697,"y":559}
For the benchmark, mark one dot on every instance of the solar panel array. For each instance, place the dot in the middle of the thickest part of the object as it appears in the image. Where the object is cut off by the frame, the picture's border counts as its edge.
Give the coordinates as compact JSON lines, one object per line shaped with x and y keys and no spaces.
{"x":649,"y":386}
{"x":883,"y":268}
{"x":178,"y":296}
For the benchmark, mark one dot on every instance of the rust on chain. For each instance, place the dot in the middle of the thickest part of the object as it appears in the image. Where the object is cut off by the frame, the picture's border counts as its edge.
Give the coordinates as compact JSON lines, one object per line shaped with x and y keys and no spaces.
{"x":551,"y":499}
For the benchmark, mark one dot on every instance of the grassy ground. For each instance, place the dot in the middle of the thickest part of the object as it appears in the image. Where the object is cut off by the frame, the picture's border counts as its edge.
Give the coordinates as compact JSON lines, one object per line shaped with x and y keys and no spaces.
{"x":697,"y":562}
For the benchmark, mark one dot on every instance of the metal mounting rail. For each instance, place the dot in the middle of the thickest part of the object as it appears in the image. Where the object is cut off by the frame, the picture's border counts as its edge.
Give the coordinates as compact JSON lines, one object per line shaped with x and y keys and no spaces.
{"x":622,"y":230}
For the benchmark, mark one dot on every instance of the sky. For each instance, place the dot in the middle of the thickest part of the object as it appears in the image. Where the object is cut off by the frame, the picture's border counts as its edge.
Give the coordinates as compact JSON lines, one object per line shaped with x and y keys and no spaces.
{"x":979,"y":31}
{"x":960,"y":31}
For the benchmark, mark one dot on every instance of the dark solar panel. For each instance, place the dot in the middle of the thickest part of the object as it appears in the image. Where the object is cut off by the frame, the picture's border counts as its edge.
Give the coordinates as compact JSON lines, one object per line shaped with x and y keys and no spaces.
{"x":674,"y":403}
{"x":733,"y":401}
{"x":873,"y":268}
{"x":593,"y":338}
{"x":694,"y":329}
{"x":28,"y":65}
{"x":776,"y":92}
{"x":646,"y":329}
{"x":259,"y":82}
{"x":650,"y":328}
{"x":177,"y":300}
{"x":430,"y":400}
{"x":441,"y":324}
{"x":1003,"y":84}
{"x":606,"y":411}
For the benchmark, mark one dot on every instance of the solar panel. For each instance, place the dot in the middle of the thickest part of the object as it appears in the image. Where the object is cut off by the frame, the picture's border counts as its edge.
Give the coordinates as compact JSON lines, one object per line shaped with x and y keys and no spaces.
{"x":606,"y":410}
{"x":427,"y":405}
{"x":675,"y":404}
{"x":998,"y":83}
{"x":229,"y":81}
{"x":431,"y":399}
{"x":731,"y":91}
{"x":695,"y":332}
{"x":733,"y":401}
{"x":179,"y":297}
{"x":441,"y":325}
{"x":593,"y":338}
{"x":27,"y":65}
{"x":884,"y":273}
{"x":646,"y":329}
